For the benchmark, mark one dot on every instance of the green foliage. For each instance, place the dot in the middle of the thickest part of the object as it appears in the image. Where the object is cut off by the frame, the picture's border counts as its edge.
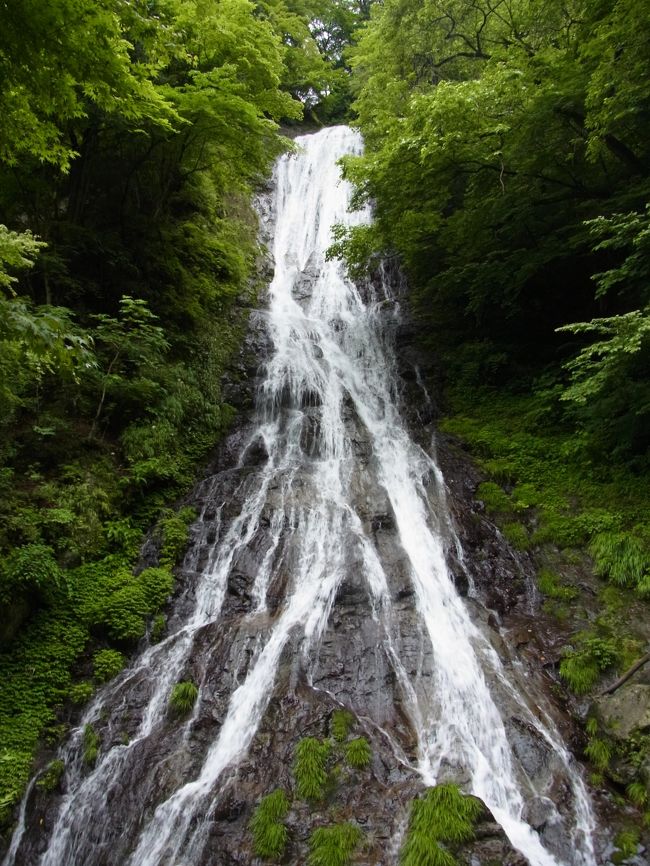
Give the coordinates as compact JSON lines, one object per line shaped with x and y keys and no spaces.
{"x":442,"y":815}
{"x":121,"y":288}
{"x":624,"y":558}
{"x":31,"y":567}
{"x":183,"y":697}
{"x":270,"y":835}
{"x":310,"y":768}
{"x":599,"y":752}
{"x":158,"y":627}
{"x":334,"y":846}
{"x":107,"y":663}
{"x":341,"y":724}
{"x":358,"y":753}
{"x":627,"y":843}
{"x":80,"y":693}
{"x":496,"y":500}
{"x":50,"y":779}
{"x":175,"y":535}
{"x":516,"y":534}
{"x":637,"y":793}
{"x":109,"y":596}
{"x":582,"y":667}
{"x":551,"y":585}
{"x":91,"y":745}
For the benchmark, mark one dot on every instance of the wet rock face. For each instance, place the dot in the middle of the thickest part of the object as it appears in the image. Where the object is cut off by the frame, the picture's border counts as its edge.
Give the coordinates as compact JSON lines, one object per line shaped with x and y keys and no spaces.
{"x":627,"y":711}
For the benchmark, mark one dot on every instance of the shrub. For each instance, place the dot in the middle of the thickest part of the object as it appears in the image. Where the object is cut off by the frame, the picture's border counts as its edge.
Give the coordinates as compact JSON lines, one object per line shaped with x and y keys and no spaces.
{"x":51,"y":778}
{"x":91,"y":744}
{"x":443,"y":814}
{"x":183,"y":697}
{"x":358,"y":753}
{"x":340,"y":724}
{"x":310,"y":768}
{"x":333,"y":846}
{"x":32,"y":567}
{"x":269,"y":833}
{"x":107,"y":663}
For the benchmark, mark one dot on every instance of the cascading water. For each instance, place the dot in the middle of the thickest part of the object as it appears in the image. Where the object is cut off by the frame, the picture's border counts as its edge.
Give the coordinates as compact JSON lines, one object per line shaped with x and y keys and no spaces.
{"x":331,"y":439}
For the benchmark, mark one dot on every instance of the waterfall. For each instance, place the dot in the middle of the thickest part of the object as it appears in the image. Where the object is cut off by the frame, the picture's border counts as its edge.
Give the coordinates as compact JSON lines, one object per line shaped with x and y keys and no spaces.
{"x":332,"y":440}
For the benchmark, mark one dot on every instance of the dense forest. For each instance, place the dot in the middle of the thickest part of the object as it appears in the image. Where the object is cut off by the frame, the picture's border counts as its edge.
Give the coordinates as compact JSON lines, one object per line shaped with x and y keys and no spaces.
{"x":508,"y":164}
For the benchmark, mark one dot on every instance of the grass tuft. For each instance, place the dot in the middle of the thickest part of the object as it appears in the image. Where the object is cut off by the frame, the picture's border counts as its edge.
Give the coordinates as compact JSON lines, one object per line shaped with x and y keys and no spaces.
{"x":333,"y":846}
{"x":183,"y":697}
{"x":270,"y":835}
{"x":91,"y":744}
{"x":582,"y":667}
{"x":358,"y":753}
{"x":442,"y":815}
{"x":107,"y":663}
{"x":340,"y":725}
{"x":310,"y":768}
{"x":51,"y":778}
{"x":599,"y":753}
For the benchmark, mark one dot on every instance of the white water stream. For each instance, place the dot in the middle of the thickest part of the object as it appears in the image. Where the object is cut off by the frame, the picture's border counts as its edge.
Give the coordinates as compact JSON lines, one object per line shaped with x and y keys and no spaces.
{"x":330,"y":359}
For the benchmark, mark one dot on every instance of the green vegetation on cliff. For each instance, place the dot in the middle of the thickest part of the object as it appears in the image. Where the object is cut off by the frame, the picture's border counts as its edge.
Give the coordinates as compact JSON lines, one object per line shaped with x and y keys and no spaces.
{"x":133,"y":137}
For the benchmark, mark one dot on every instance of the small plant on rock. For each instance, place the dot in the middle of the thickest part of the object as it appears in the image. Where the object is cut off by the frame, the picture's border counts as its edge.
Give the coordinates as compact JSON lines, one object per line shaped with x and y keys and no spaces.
{"x":582,"y":667}
{"x":358,"y":753}
{"x":340,"y":725}
{"x":107,"y":663}
{"x":269,"y":833}
{"x":310,"y":768}
{"x":333,"y":846}
{"x":183,"y":697}
{"x":442,"y":815}
{"x":51,"y":778}
{"x":91,"y":744}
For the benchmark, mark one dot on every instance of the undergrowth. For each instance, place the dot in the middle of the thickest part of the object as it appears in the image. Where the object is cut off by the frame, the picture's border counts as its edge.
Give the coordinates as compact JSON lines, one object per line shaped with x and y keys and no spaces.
{"x":539,"y":467}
